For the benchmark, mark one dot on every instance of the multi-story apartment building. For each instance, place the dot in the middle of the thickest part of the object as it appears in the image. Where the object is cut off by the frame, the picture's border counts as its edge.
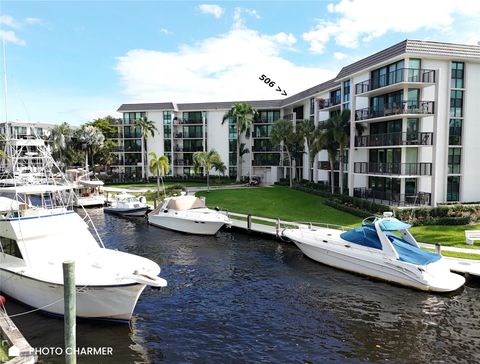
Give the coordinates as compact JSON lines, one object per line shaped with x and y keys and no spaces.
{"x":417,"y":103}
{"x":23,"y":129}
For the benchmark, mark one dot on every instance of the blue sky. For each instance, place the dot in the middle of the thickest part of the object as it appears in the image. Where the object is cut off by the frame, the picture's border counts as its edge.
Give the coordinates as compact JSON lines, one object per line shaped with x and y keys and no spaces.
{"x":76,"y":60}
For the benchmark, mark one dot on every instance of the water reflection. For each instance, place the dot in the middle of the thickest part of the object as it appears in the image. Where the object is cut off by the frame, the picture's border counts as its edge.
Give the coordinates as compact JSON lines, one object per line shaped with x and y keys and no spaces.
{"x":241,"y":298}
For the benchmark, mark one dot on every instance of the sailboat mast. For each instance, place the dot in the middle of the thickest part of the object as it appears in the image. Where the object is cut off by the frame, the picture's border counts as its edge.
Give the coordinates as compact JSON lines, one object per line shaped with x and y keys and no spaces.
{"x":5,"y":89}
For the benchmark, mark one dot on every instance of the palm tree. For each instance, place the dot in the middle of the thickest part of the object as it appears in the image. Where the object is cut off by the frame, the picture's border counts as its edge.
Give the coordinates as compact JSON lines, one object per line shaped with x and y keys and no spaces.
{"x":282,"y":132}
{"x":207,"y":161}
{"x":147,"y":127}
{"x":59,"y":137}
{"x":243,"y":114}
{"x":92,"y":140}
{"x":306,"y":129}
{"x":159,"y":167}
{"x":325,"y":140}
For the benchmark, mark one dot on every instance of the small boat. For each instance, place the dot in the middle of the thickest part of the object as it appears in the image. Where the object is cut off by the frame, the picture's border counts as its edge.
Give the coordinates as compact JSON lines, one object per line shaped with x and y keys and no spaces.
{"x":38,"y":232}
{"x":188,"y":214}
{"x":127,"y":205}
{"x":381,"y":248}
{"x":87,"y":190}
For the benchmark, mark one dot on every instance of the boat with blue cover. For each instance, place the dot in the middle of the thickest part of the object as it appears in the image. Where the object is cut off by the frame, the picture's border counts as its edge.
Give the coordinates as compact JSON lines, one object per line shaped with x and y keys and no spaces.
{"x":381,"y":248}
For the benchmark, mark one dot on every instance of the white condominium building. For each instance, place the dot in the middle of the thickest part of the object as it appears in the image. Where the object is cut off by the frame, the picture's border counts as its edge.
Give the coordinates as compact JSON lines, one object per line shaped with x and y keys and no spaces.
{"x":418,"y":103}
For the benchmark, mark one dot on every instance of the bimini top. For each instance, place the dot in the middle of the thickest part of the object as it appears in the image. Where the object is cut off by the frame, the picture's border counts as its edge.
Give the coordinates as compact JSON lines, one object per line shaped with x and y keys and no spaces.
{"x":182,"y":203}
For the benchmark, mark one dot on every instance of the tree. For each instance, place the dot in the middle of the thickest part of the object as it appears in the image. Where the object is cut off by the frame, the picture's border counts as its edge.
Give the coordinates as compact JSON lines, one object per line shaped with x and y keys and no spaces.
{"x":159,"y":167}
{"x":106,"y":125}
{"x":59,"y":138}
{"x":92,"y":140}
{"x":340,"y":125}
{"x":207,"y":161}
{"x":283,"y":133}
{"x":306,"y":129}
{"x":325,"y":140}
{"x":243,"y":114}
{"x":147,"y":127}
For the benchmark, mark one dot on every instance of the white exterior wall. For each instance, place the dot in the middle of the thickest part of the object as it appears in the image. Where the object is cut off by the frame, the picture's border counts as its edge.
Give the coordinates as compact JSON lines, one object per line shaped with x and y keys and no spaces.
{"x":155,"y":144}
{"x":217,"y":136}
{"x":469,"y":184}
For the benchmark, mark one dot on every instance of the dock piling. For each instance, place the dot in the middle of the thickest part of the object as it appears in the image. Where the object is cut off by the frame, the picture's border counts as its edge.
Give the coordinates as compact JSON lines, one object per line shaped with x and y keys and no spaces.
{"x":438,"y":248}
{"x":249,"y":222}
{"x":69,"y":293}
{"x":277,"y":228}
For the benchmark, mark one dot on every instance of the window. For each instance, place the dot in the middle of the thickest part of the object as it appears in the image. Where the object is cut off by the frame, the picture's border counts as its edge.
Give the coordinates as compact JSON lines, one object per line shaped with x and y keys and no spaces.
{"x":346,"y":91}
{"x":455,"y":132}
{"x":193,"y":117}
{"x":414,"y":70}
{"x":457,"y":74}
{"x":453,"y":188}
{"x":454,"y":159}
{"x":335,"y":97}
{"x":193,"y":132}
{"x":10,"y":247}
{"x":456,"y":103}
{"x":132,"y":117}
{"x":312,"y":108}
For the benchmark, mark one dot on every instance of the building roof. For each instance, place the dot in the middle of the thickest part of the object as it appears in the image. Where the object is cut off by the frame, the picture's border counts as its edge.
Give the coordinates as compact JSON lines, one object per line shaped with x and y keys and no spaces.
{"x":259,"y":104}
{"x":309,"y":92}
{"x":429,"y":48}
{"x":146,"y":106}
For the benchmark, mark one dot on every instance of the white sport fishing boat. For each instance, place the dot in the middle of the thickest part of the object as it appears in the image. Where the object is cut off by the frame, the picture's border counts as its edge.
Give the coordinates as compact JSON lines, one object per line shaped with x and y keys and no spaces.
{"x":39,"y":230}
{"x":127,"y":205}
{"x":381,"y":248}
{"x":188,"y":214}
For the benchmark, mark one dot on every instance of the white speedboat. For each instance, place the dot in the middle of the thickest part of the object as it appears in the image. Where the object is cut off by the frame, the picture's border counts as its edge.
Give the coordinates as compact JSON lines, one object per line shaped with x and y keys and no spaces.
{"x":128,"y":205}
{"x":381,"y":248}
{"x":188,"y":214}
{"x":38,"y":233}
{"x":87,"y":190}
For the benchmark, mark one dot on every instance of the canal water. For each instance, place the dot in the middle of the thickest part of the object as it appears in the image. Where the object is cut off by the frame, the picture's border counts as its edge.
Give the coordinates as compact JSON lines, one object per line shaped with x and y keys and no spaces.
{"x":238,"y":298}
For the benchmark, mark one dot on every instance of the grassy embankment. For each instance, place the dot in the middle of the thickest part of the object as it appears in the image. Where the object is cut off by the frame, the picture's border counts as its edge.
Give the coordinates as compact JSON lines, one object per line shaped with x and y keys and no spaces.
{"x":292,"y":205}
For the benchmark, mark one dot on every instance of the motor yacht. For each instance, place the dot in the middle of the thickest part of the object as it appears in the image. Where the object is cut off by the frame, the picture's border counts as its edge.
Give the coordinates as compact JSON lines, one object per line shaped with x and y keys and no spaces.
{"x":127,"y":205}
{"x":188,"y":214}
{"x":87,"y":189}
{"x":382,"y":248}
{"x":38,"y":232}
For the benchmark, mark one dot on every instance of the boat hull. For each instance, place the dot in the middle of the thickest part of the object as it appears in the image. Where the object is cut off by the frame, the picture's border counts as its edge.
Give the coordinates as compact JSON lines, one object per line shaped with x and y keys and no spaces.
{"x":112,"y":303}
{"x":186,"y":225}
{"x":139,"y":211}
{"x":435,"y":278}
{"x":89,"y":201}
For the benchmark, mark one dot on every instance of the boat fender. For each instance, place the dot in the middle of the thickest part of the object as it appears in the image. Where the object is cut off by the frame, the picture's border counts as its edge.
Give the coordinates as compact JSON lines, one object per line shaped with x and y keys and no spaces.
{"x":217,"y":208}
{"x":142,"y":199}
{"x":3,"y":300}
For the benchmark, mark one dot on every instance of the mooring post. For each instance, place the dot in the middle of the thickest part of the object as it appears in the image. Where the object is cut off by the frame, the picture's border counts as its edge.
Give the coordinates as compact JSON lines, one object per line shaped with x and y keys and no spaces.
{"x":249,"y":222}
{"x":438,"y":248}
{"x":154,"y":203}
{"x":69,"y":294}
{"x":277,"y":228}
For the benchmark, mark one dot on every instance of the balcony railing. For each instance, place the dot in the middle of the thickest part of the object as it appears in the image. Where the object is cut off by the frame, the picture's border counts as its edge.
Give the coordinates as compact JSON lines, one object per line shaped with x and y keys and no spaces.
{"x":179,"y":121}
{"x":193,"y":149}
{"x":326,"y":103}
{"x":396,"y":108}
{"x":399,"y":138}
{"x":325,"y":165}
{"x":393,"y":198}
{"x":403,"y":169}
{"x":400,"y":75}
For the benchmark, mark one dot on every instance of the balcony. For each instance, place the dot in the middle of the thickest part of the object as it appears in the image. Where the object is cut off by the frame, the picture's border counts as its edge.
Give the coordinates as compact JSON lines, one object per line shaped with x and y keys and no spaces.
{"x":390,"y":139}
{"x":393,"y":198}
{"x":393,"y":110}
{"x":387,"y":82}
{"x":329,"y":103}
{"x":193,"y":149}
{"x":399,"y":169}
{"x":325,"y":166}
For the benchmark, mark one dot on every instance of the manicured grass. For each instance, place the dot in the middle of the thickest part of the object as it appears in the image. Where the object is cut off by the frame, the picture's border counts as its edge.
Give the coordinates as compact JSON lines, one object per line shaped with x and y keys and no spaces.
{"x":445,"y":235}
{"x":278,"y":202}
{"x":154,"y":185}
{"x":457,"y":254}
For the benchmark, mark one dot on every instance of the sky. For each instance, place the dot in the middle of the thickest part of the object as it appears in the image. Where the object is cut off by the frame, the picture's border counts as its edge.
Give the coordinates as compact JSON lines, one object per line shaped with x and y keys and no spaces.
{"x":73,"y":61}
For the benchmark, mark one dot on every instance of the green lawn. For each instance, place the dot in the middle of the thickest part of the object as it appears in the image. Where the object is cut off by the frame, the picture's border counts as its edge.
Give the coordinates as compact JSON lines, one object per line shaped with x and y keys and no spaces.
{"x":154,"y":185}
{"x":278,"y":202}
{"x":446,"y":235}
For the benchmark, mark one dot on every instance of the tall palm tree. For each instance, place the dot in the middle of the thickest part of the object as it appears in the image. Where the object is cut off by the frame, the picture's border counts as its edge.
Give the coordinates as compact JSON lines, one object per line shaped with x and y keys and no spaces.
{"x":92,"y":140}
{"x":147,"y":127}
{"x":325,"y":140}
{"x":283,"y":133}
{"x":243,"y":114}
{"x":340,"y":125}
{"x":306,"y":130}
{"x":59,"y":137}
{"x":159,"y":167}
{"x":207,"y":161}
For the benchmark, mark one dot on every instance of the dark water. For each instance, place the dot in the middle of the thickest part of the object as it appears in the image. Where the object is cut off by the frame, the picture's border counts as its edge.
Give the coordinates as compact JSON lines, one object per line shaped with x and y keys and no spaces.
{"x":236,"y":298}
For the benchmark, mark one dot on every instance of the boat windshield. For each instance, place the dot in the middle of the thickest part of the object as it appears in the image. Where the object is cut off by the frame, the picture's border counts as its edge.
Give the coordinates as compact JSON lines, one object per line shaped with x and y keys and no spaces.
{"x":186,"y":203}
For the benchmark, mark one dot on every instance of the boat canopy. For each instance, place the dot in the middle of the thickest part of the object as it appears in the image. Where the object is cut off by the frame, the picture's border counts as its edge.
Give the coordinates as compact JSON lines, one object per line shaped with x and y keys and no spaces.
{"x":8,"y":204}
{"x":34,"y":189}
{"x":182,"y":203}
{"x":94,"y":183}
{"x":393,"y":224}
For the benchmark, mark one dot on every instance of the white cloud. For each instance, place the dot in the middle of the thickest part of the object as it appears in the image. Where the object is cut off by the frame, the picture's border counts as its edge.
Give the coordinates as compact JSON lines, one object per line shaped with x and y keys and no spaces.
{"x":11,"y":37}
{"x":9,"y":22}
{"x":238,"y":20}
{"x":357,"y":21}
{"x":215,"y":10}
{"x":34,"y":21}
{"x":339,"y":55}
{"x":165,"y":31}
{"x":225,"y":67}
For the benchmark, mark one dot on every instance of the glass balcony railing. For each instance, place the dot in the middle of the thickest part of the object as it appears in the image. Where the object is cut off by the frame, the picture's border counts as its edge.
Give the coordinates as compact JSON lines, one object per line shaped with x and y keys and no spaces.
{"x":326,"y":103}
{"x":402,"y":169}
{"x":397,"y":108}
{"x":393,"y":198}
{"x":397,"y":76}
{"x":389,"y":139}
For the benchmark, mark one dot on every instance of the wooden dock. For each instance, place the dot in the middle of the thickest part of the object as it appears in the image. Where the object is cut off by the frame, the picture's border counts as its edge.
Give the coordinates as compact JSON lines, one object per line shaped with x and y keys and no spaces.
{"x":19,"y":346}
{"x":274,"y":228}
